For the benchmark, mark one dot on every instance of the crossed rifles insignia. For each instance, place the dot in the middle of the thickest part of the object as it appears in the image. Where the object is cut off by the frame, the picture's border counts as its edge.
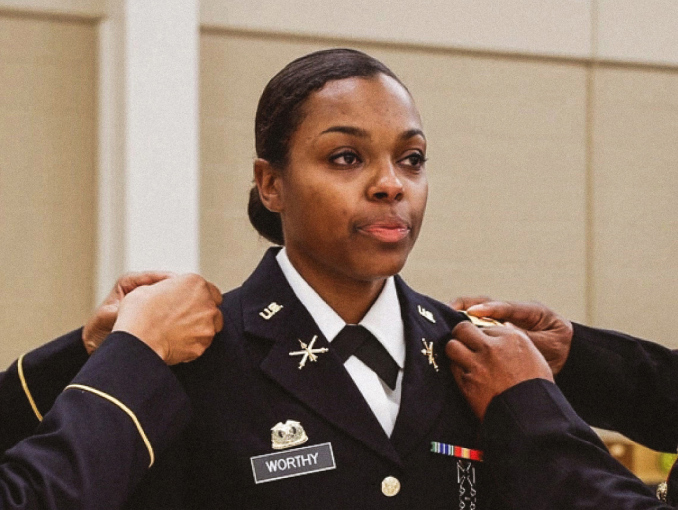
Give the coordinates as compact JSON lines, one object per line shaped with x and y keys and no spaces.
{"x":307,"y":352}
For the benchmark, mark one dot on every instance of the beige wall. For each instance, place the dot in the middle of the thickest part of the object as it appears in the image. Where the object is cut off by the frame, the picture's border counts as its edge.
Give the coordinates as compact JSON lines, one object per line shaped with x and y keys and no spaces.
{"x":635,"y":218}
{"x":47,"y":178}
{"x":530,"y":158}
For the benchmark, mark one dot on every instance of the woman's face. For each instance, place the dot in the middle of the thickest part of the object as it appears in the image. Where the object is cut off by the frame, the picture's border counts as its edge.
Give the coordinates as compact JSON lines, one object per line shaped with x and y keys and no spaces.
{"x":353,"y":195}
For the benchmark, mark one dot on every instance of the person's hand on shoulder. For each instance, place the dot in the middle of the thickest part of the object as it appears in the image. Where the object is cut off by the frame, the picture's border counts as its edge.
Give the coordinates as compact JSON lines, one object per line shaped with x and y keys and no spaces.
{"x":486,"y":362}
{"x":176,"y":317}
{"x":100,"y":324}
{"x":551,"y":333}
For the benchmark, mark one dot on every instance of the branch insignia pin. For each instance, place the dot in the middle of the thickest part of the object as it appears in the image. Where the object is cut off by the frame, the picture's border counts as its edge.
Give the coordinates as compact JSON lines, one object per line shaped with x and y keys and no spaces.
{"x":428,"y":352}
{"x":307,"y":352}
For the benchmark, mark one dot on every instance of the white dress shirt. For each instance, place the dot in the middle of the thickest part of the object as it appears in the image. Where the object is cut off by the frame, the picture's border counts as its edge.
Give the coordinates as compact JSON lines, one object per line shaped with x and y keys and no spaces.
{"x":383,"y":320}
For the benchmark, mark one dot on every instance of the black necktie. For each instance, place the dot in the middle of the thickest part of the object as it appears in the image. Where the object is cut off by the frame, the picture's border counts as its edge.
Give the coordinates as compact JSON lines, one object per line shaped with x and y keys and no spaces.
{"x":356,"y":341}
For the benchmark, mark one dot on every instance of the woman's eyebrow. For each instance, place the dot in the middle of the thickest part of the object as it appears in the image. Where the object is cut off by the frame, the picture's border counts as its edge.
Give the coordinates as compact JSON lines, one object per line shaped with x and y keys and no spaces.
{"x":410,"y":133}
{"x":348,"y":130}
{"x":361,"y":133}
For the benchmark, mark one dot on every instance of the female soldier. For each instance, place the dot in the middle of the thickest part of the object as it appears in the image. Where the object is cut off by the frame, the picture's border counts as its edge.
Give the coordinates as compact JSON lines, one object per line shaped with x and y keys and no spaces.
{"x":290,"y":409}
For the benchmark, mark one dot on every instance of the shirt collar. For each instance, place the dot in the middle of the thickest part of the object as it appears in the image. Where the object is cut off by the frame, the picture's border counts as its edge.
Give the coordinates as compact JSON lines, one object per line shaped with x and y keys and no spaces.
{"x":383,"y":320}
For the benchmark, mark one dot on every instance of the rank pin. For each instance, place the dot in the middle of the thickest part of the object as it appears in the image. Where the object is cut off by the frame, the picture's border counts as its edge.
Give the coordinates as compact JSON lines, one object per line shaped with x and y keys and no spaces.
{"x":307,"y":352}
{"x":428,"y":352}
{"x":482,"y":322}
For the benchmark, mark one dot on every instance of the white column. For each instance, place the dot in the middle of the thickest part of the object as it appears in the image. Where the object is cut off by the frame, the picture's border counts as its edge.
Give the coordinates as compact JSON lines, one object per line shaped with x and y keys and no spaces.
{"x":148,"y":157}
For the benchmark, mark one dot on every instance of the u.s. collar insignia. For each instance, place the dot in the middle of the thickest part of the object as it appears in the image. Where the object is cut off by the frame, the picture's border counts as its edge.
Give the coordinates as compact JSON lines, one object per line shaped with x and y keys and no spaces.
{"x":428,"y":352}
{"x":426,"y":314}
{"x":287,"y":435}
{"x":307,"y":352}
{"x":270,"y":310}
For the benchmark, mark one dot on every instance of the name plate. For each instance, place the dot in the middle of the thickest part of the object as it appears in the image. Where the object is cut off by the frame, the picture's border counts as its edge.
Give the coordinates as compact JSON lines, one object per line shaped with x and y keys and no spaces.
{"x":296,"y":462}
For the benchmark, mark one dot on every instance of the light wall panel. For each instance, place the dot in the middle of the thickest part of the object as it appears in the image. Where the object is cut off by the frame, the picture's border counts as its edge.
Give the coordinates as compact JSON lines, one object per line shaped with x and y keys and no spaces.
{"x":637,"y":31}
{"x":506,"y":169}
{"x":47,"y":169}
{"x":636,"y":210}
{"x":520,"y":26}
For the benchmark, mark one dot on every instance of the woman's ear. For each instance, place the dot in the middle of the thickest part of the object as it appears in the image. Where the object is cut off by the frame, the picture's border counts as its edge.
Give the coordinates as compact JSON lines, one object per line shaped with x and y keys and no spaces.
{"x":269,"y":184}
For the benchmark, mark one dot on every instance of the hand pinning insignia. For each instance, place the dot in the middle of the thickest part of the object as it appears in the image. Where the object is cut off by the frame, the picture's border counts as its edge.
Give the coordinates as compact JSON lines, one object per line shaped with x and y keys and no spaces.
{"x":428,"y":352}
{"x":307,"y":352}
{"x":426,"y":314}
{"x":270,"y":310}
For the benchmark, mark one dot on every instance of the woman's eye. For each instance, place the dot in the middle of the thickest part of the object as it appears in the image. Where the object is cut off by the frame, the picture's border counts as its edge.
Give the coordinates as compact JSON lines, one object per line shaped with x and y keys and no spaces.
{"x":345,"y":158}
{"x":416,"y":159}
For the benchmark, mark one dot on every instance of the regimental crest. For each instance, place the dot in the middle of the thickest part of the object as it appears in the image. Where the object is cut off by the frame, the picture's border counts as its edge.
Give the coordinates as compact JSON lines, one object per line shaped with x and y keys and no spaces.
{"x":287,"y":435}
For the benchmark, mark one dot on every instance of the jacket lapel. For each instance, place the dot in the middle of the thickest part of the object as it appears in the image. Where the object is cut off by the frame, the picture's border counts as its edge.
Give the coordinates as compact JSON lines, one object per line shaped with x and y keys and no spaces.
{"x":423,"y":391}
{"x":272,"y":311}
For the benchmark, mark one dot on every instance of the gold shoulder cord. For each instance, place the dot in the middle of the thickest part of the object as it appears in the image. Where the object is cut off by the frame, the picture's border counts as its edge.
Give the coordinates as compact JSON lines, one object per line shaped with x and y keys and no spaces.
{"x":122,"y":406}
{"x":22,"y":378}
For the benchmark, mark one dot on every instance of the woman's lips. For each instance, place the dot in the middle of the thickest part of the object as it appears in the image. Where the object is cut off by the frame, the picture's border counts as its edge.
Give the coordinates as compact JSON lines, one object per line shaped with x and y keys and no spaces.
{"x":386,"y":231}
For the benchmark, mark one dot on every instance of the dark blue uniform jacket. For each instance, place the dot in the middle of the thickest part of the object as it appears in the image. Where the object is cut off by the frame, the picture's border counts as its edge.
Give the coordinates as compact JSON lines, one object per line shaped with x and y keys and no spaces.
{"x":247,"y":382}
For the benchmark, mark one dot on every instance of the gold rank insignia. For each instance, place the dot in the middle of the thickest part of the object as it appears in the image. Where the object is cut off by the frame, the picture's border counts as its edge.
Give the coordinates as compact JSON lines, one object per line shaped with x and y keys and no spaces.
{"x":481,"y":322}
{"x":287,"y":435}
{"x":307,"y":352}
{"x":428,"y":352}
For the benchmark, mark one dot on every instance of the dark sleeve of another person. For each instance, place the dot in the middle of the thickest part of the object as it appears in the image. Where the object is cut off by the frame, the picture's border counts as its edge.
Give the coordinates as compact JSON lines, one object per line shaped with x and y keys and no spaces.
{"x":542,"y":456}
{"x":101,"y":434}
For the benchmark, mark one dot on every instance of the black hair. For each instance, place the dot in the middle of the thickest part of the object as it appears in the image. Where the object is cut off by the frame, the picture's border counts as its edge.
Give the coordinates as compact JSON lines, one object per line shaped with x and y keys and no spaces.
{"x":280,"y":112}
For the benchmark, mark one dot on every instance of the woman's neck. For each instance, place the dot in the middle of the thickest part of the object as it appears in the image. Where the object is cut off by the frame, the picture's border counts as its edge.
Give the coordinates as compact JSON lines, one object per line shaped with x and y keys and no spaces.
{"x":351,"y":299}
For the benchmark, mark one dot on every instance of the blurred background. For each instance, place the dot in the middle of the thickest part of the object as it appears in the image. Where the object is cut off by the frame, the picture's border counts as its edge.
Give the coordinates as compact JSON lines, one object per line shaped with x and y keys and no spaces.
{"x":126,"y":143}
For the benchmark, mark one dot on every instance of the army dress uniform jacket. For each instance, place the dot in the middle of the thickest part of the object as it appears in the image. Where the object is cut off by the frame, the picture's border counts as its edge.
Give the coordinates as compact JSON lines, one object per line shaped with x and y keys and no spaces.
{"x":103,"y":423}
{"x":544,"y":456}
{"x":247,"y":382}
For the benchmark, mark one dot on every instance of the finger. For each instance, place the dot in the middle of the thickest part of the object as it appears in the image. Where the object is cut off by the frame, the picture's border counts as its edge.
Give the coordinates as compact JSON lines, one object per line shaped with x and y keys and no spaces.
{"x":130,"y":281}
{"x":460,"y":355}
{"x":458,"y":373}
{"x":470,"y":335}
{"x":215,"y":293}
{"x":218,"y":321}
{"x":107,"y":314}
{"x":464,"y":302}
{"x":501,"y":331}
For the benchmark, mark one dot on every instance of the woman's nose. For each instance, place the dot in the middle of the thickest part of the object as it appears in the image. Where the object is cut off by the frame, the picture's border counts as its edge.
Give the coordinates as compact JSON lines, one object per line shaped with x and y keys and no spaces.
{"x":386,"y":184}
